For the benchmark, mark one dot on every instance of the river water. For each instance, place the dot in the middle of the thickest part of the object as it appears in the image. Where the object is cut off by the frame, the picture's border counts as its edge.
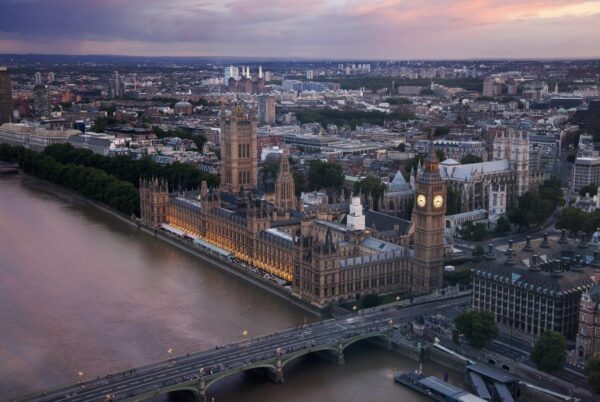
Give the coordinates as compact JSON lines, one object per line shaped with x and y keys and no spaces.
{"x":82,"y":291}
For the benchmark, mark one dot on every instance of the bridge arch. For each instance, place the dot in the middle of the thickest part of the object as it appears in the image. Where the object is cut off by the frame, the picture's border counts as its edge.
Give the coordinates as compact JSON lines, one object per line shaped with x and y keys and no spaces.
{"x":285,"y":359}
{"x":382,"y":335}
{"x":214,"y":378}
{"x":190,"y":386}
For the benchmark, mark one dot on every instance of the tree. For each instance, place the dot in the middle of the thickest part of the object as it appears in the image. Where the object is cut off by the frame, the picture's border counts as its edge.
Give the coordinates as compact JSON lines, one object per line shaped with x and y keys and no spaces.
{"x":441,"y":131}
{"x":325,"y":175}
{"x":470,"y":158}
{"x":502,"y":226}
{"x":373,"y":186}
{"x":550,"y":351}
{"x":592,"y":373}
{"x":452,"y":201}
{"x":478,"y":250}
{"x":478,"y":327}
{"x":535,"y":207}
{"x":474,"y":232}
{"x":371,"y":300}
{"x":441,"y":155}
{"x":573,"y":219}
{"x":591,"y":189}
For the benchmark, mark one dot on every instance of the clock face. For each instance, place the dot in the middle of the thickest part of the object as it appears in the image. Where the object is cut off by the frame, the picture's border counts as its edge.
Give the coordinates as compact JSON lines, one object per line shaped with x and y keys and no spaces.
{"x":438,"y":201}
{"x":421,"y":200}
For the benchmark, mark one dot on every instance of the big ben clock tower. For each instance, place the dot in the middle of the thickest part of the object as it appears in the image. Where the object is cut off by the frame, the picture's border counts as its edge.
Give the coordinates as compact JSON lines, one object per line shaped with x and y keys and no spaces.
{"x":429,"y":219}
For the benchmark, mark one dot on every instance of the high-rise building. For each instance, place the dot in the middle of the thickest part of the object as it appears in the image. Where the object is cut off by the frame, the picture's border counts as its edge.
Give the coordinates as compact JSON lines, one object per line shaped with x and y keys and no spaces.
{"x":115,"y":86}
{"x":429,"y":221}
{"x":51,"y":77}
{"x":266,"y":109}
{"x":239,"y":170}
{"x":231,"y":72}
{"x":6,"y":108}
{"x":38,"y":78}
{"x":41,"y":103}
{"x":309,"y":74}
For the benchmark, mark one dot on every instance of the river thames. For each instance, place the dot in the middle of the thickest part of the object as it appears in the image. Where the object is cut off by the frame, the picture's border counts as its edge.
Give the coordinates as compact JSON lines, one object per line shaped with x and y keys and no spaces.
{"x":82,"y":291}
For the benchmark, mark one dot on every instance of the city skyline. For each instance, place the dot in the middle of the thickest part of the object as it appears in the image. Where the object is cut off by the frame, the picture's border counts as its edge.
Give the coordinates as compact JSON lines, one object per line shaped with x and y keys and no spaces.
{"x":304,"y":29}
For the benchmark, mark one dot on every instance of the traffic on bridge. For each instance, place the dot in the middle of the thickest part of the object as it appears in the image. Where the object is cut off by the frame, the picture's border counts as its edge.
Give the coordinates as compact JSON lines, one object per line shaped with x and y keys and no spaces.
{"x":196,"y":372}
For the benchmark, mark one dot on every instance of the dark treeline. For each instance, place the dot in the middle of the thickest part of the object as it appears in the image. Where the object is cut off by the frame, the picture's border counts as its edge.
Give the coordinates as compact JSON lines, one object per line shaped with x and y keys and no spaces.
{"x":341,"y":118}
{"x":179,"y":175}
{"x":377,"y":83}
{"x":90,"y":182}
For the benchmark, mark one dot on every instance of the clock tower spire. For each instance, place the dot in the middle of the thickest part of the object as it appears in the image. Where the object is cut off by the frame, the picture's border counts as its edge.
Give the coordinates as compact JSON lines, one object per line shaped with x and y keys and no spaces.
{"x":429,"y":221}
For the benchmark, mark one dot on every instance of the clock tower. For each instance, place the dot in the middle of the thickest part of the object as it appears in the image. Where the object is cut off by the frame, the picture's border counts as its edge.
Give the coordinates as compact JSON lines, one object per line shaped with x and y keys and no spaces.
{"x":429,"y":220}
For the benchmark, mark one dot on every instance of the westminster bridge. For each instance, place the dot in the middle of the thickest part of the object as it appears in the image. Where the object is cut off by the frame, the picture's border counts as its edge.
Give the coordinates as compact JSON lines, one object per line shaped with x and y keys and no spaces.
{"x":197,"y":372}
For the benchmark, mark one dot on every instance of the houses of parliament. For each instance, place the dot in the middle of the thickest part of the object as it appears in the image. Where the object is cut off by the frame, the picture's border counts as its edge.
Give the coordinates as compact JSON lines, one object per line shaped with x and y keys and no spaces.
{"x":330,"y":253}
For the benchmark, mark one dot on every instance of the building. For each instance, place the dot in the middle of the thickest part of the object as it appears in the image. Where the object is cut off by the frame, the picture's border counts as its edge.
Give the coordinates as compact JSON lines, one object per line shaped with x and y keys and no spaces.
{"x":476,"y":183}
{"x":115,"y":86}
{"x":429,"y":221}
{"x":588,"y":333}
{"x":33,"y":137}
{"x":513,"y":146}
{"x":398,"y":197}
{"x":535,"y":286}
{"x":239,"y":151}
{"x":231,"y":72}
{"x":459,"y":149}
{"x":6,"y":107}
{"x":329,"y":253}
{"x":586,"y":170}
{"x":41,"y":102}
{"x":183,"y":107}
{"x":38,"y":78}
{"x":100,"y":144}
{"x":266,"y":109}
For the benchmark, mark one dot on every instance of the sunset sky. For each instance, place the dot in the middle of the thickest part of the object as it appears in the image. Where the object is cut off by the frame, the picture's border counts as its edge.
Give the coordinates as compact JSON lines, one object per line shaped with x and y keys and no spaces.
{"x":383,"y":29}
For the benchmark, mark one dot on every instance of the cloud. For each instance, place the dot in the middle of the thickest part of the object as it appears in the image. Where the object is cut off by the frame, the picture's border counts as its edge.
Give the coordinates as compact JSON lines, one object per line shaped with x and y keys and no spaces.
{"x":311,"y":28}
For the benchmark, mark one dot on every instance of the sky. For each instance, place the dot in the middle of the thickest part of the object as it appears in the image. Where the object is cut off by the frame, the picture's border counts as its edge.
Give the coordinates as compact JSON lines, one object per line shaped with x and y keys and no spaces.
{"x":358,"y":29}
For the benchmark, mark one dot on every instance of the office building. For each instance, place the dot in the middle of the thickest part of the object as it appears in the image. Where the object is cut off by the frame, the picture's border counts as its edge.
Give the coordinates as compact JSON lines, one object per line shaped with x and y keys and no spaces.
{"x":6,"y":107}
{"x":41,"y":102}
{"x":38,"y":78}
{"x":535,"y":286}
{"x":266,"y":109}
{"x":231,"y":72}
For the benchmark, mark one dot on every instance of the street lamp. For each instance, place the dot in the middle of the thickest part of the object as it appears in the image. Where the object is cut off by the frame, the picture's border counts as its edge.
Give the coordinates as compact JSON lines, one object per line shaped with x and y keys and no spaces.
{"x":398,"y":301}
{"x":354,"y":308}
{"x":245,"y":333}
{"x":170,"y":352}
{"x":80,"y":375}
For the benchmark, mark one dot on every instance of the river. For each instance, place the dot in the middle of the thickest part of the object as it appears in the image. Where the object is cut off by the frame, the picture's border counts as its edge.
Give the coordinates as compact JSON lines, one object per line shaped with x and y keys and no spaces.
{"x":82,"y":291}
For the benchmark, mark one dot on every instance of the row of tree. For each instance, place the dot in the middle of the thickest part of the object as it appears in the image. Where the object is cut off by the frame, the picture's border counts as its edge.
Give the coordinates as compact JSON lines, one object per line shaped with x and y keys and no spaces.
{"x":126,"y":168}
{"x":90,"y":182}
{"x":199,"y":140}
{"x":350,"y":118}
{"x":479,"y":328}
{"x":533,"y":208}
{"x":576,"y":220}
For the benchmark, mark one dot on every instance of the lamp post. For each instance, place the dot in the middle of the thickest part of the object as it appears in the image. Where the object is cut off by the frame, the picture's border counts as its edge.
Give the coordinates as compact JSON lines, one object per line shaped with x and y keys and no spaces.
{"x":398,"y":301}
{"x":80,"y":376}
{"x":354,"y":308}
{"x":170,"y":352}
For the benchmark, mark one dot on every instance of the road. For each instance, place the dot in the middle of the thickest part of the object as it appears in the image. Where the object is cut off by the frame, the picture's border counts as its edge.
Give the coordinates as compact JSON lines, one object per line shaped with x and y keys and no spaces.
{"x":242,"y":354}
{"x":519,"y":350}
